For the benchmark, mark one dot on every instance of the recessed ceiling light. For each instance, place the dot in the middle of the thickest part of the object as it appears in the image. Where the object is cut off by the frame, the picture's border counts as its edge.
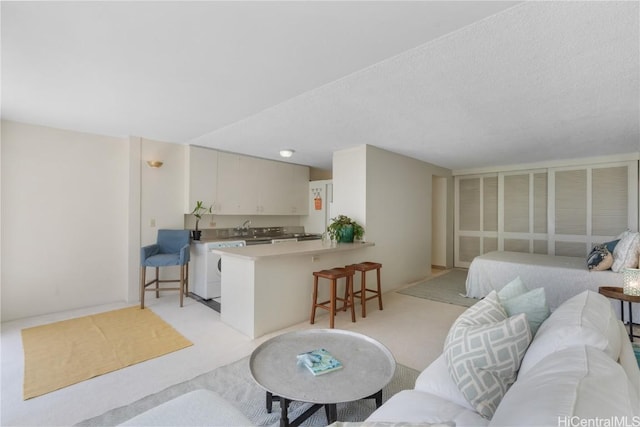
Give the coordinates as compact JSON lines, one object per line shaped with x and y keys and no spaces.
{"x":286,"y":153}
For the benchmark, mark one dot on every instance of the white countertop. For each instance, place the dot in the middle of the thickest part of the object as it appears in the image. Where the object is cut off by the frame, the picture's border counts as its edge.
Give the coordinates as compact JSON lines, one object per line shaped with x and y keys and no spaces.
{"x":310,"y":247}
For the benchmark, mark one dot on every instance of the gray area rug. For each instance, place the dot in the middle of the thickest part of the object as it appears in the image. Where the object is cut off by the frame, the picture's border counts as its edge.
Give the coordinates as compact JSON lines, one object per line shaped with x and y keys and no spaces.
{"x":235,"y":384}
{"x":448,"y":287}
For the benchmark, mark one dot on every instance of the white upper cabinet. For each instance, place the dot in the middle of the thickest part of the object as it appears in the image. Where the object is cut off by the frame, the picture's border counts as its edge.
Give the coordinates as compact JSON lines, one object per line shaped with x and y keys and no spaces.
{"x":202,"y":165}
{"x":252,"y":186}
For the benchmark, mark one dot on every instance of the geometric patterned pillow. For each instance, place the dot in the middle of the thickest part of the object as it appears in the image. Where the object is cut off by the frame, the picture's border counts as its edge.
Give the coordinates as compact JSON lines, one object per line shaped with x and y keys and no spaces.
{"x":483,"y":351}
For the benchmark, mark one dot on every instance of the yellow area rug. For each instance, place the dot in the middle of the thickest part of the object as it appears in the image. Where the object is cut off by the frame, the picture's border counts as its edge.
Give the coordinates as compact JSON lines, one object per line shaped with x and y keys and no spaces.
{"x":67,"y":352}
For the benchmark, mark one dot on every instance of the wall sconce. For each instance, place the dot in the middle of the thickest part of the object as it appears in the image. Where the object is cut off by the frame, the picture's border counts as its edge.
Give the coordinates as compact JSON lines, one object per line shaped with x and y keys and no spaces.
{"x":154,"y":163}
{"x":631,"y":281}
{"x":286,"y":153}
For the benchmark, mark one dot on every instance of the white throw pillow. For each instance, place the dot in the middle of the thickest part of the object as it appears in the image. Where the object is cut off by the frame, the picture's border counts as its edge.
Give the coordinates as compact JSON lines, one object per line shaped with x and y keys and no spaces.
{"x":483,"y":351}
{"x":625,"y":254}
{"x":585,"y":319}
{"x":577,"y":383}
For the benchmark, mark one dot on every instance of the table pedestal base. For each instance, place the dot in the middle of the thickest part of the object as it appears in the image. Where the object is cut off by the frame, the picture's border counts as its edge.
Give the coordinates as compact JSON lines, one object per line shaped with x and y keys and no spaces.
{"x":329,"y":409}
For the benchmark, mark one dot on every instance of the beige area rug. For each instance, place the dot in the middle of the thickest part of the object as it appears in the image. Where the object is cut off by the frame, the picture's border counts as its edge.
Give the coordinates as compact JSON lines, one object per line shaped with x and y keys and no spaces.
{"x":449,"y":287}
{"x":64,"y":353}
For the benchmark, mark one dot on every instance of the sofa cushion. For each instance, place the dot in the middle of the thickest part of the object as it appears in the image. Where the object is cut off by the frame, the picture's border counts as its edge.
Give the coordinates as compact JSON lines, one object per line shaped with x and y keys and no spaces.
{"x":532,"y":303}
{"x":625,"y":255}
{"x":435,"y":379}
{"x":196,"y":408}
{"x":580,"y":382}
{"x":483,"y":351}
{"x":628,"y":360}
{"x":412,"y":406}
{"x":585,"y":319}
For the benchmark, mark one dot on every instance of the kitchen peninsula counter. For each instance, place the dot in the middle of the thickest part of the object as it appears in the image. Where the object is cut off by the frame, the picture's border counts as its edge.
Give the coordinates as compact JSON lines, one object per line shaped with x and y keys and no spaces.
{"x":269,"y":287}
{"x":310,"y":247}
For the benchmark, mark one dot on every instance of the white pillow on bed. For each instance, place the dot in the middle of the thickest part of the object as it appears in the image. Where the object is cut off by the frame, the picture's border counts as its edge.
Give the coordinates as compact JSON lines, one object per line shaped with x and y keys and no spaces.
{"x":625,"y":254}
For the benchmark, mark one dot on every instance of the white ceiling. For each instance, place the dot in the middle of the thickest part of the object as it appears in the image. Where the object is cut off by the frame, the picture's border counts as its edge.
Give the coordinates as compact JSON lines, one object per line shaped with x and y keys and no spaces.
{"x":454,"y":83}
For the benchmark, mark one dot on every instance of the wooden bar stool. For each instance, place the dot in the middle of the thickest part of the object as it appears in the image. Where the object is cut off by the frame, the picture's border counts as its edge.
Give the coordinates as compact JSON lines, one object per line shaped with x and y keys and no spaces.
{"x":363,"y":267}
{"x":330,"y":305}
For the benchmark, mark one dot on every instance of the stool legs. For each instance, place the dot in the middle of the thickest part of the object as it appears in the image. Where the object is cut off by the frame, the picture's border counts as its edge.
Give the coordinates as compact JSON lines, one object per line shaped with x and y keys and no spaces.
{"x":330,"y":305}
{"x":363,"y":268}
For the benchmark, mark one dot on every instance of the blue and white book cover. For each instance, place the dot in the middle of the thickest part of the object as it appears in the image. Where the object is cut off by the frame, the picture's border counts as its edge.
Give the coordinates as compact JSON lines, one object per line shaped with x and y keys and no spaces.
{"x":319,"y":361}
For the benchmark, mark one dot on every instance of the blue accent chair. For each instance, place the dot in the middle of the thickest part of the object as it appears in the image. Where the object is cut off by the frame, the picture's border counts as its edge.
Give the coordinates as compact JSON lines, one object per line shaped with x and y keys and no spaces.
{"x":171,"y":248}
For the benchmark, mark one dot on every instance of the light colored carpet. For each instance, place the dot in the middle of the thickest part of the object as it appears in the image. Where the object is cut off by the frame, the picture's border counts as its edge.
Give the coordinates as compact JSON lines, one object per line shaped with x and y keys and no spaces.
{"x":59,"y":354}
{"x":448,"y":287}
{"x":235,"y":384}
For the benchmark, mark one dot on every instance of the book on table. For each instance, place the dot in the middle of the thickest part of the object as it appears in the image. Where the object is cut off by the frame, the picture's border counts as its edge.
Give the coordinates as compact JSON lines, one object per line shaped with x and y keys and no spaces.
{"x":319,"y":361}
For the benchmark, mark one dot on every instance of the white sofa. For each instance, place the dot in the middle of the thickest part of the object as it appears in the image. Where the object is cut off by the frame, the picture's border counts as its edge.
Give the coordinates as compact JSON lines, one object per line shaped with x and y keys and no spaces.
{"x":579,"y":366}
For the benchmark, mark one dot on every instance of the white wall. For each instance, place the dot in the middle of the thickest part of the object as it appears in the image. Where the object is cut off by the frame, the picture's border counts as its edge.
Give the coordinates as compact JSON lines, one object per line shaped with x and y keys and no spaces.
{"x":64,"y":219}
{"x":390,"y":195}
{"x":350,"y":184}
{"x":162,"y":189}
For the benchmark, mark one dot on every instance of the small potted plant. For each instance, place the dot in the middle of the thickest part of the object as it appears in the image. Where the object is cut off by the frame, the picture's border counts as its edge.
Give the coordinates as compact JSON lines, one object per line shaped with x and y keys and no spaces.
{"x":198,"y":211}
{"x":344,"y":229}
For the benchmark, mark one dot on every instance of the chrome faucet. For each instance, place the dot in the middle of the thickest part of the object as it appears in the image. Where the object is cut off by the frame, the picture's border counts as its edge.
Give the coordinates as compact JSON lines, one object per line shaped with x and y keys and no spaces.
{"x":244,"y":228}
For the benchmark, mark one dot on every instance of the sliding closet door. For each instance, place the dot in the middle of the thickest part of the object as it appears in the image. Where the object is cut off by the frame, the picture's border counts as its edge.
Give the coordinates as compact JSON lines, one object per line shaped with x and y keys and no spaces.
{"x":476,"y":219}
{"x":557,"y":211}
{"x":592,"y":205}
{"x":523,"y":220}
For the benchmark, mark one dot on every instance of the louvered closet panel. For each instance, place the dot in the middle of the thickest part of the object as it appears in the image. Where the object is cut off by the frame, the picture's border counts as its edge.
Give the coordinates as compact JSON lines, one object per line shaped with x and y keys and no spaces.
{"x":571,"y":202}
{"x":540,"y":247}
{"x":476,"y":217}
{"x":540,"y":205}
{"x":516,"y":204}
{"x":469,"y":248}
{"x":490,"y":204}
{"x":516,"y":245}
{"x":469,"y":203}
{"x":577,"y":249}
{"x":609,"y":200}
{"x":489,"y":244}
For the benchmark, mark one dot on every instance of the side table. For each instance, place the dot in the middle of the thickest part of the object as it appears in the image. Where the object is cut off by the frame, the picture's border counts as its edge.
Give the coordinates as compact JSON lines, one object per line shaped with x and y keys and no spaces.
{"x":616,"y":292}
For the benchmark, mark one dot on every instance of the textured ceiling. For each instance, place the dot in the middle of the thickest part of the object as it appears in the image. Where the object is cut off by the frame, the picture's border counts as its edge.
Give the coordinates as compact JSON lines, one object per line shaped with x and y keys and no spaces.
{"x":457,"y":84}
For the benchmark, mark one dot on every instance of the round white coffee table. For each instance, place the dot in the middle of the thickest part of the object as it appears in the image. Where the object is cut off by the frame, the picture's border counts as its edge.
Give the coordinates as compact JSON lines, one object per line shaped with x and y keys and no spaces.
{"x":367,"y":367}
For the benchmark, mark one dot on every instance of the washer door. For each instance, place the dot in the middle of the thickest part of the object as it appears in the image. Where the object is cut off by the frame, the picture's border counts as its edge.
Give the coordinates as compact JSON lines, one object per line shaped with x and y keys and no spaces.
{"x":213,"y":267}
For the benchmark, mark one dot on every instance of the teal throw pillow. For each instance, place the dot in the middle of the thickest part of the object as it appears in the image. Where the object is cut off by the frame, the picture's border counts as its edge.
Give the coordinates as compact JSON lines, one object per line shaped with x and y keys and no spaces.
{"x":533,"y":304}
{"x":512,"y":289}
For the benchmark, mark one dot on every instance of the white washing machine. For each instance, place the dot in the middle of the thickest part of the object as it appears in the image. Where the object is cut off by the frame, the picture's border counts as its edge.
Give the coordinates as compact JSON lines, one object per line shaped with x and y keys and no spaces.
{"x":207,"y":268}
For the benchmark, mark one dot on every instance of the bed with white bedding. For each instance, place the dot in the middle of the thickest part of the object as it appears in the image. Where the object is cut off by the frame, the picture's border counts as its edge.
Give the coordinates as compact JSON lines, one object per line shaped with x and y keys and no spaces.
{"x":562,"y":277}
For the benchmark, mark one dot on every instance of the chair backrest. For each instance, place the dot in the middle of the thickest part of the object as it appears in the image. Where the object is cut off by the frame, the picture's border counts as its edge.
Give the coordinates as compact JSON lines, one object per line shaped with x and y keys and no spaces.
{"x":170,"y":241}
